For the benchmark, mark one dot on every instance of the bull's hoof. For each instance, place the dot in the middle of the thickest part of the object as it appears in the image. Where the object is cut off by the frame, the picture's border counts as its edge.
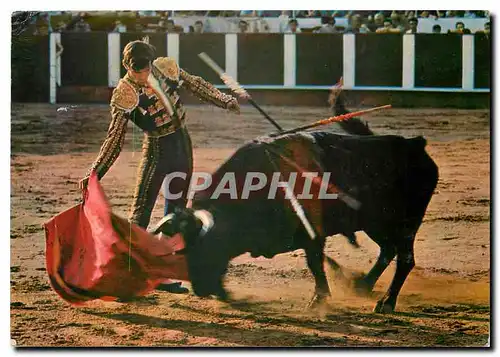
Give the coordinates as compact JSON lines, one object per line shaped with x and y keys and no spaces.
{"x":316,"y":302}
{"x":223,"y":295}
{"x":360,"y":286}
{"x":383,"y":307}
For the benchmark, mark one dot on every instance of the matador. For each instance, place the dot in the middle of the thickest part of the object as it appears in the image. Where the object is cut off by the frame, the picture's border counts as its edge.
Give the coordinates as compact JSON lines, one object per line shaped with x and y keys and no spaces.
{"x":148,"y":96}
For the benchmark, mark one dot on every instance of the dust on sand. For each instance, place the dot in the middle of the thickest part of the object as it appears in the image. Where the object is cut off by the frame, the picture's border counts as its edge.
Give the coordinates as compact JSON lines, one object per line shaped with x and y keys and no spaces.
{"x":445,"y":301}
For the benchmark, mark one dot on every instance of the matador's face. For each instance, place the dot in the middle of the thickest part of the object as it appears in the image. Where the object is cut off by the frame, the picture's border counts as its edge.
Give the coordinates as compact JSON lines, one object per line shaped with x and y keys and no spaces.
{"x":140,"y":76}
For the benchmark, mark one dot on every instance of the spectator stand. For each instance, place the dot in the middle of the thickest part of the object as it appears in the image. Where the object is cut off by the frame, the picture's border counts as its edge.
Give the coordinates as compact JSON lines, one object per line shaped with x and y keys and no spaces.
{"x":106,"y":21}
{"x":474,"y":24}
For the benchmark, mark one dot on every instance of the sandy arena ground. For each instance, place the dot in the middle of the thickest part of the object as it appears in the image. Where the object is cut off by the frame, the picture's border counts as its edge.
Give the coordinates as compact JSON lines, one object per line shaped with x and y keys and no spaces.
{"x":445,"y":301}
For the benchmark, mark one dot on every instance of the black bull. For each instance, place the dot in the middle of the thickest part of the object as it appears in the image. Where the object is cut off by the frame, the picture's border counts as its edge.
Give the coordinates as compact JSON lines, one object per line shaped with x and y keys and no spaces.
{"x":393,"y":179}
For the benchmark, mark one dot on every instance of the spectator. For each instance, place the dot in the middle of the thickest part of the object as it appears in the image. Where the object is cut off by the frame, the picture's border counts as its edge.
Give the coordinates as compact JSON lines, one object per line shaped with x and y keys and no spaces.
{"x":167,"y":25}
{"x":229,"y":13}
{"x":170,"y":26}
{"x":313,"y":13}
{"x":328,"y":25}
{"x":198,"y":27}
{"x":388,"y":27}
{"x":424,"y":14}
{"x":413,"y":24}
{"x":82,"y":26}
{"x":430,"y":14}
{"x":397,"y":22}
{"x":248,"y":13}
{"x":119,"y":27}
{"x":378,"y":22}
{"x":161,"y":26}
{"x":436,"y":29}
{"x":338,"y":13}
{"x":394,"y":16}
{"x":451,"y":13}
{"x":60,"y":27}
{"x":42,"y":25}
{"x":293,"y":27}
{"x":409,"y":14}
{"x":243,"y":26}
{"x":307,"y":13}
{"x":356,"y":25}
{"x":385,"y":13}
{"x":485,"y":31}
{"x":469,"y":14}
{"x":459,"y":27}
{"x":163,"y":14}
{"x":268,"y":13}
{"x":487,"y":28}
{"x":260,"y":25}
{"x":185,"y":13}
{"x":328,"y":13}
{"x":146,"y":13}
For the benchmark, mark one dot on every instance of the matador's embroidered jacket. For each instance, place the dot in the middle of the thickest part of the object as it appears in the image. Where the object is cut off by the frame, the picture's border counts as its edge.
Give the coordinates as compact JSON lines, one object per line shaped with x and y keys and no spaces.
{"x":156,"y":108}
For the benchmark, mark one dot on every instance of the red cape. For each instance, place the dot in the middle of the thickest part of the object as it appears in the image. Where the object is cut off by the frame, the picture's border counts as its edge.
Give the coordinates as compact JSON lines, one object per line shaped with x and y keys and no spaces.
{"x":92,"y":253}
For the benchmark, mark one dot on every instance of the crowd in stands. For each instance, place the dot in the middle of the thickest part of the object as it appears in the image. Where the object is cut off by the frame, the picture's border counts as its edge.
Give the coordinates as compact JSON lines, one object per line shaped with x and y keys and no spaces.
{"x":164,"y":21}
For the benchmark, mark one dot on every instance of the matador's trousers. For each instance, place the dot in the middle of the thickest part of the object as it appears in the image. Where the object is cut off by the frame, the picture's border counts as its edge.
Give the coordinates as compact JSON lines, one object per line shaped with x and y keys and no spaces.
{"x":160,"y":157}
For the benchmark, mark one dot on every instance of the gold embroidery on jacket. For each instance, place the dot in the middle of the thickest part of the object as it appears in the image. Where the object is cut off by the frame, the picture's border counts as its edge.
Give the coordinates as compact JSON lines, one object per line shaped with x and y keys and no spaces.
{"x":205,"y":90}
{"x":149,"y":92}
{"x":125,"y":96}
{"x":168,"y":67}
{"x":147,"y":170}
{"x":161,"y":120}
{"x":113,"y":144}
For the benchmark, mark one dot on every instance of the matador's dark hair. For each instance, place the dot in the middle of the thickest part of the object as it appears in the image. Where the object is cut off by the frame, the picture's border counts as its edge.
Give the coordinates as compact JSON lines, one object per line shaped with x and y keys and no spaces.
{"x":138,"y":54}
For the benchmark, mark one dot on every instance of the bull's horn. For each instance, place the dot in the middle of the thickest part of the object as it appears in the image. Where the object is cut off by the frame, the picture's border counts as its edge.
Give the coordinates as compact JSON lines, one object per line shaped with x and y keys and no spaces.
{"x":206,"y":219}
{"x":158,"y":227}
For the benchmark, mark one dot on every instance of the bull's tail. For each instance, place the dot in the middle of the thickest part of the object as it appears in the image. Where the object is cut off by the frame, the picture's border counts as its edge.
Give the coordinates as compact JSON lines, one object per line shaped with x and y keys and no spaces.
{"x":354,"y":126}
{"x":337,"y":100}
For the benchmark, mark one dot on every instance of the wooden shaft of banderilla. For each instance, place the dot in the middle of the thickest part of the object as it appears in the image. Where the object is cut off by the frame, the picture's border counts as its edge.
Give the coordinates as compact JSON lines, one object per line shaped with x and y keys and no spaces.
{"x":332,"y":120}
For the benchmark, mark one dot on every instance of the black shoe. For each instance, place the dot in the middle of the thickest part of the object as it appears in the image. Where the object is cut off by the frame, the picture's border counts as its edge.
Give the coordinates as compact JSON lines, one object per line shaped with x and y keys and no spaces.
{"x":173,"y":288}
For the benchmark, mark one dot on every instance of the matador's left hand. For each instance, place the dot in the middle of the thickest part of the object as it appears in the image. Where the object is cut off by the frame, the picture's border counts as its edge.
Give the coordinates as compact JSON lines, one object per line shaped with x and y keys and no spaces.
{"x":234,"y":106}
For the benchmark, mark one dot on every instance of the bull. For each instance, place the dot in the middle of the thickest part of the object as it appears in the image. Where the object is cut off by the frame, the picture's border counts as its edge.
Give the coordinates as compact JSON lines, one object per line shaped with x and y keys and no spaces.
{"x":392,"y":177}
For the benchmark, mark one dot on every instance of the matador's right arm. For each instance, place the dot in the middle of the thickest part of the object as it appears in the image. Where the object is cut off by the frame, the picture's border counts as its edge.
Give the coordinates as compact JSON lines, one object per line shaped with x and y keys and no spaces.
{"x":123,"y":101}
